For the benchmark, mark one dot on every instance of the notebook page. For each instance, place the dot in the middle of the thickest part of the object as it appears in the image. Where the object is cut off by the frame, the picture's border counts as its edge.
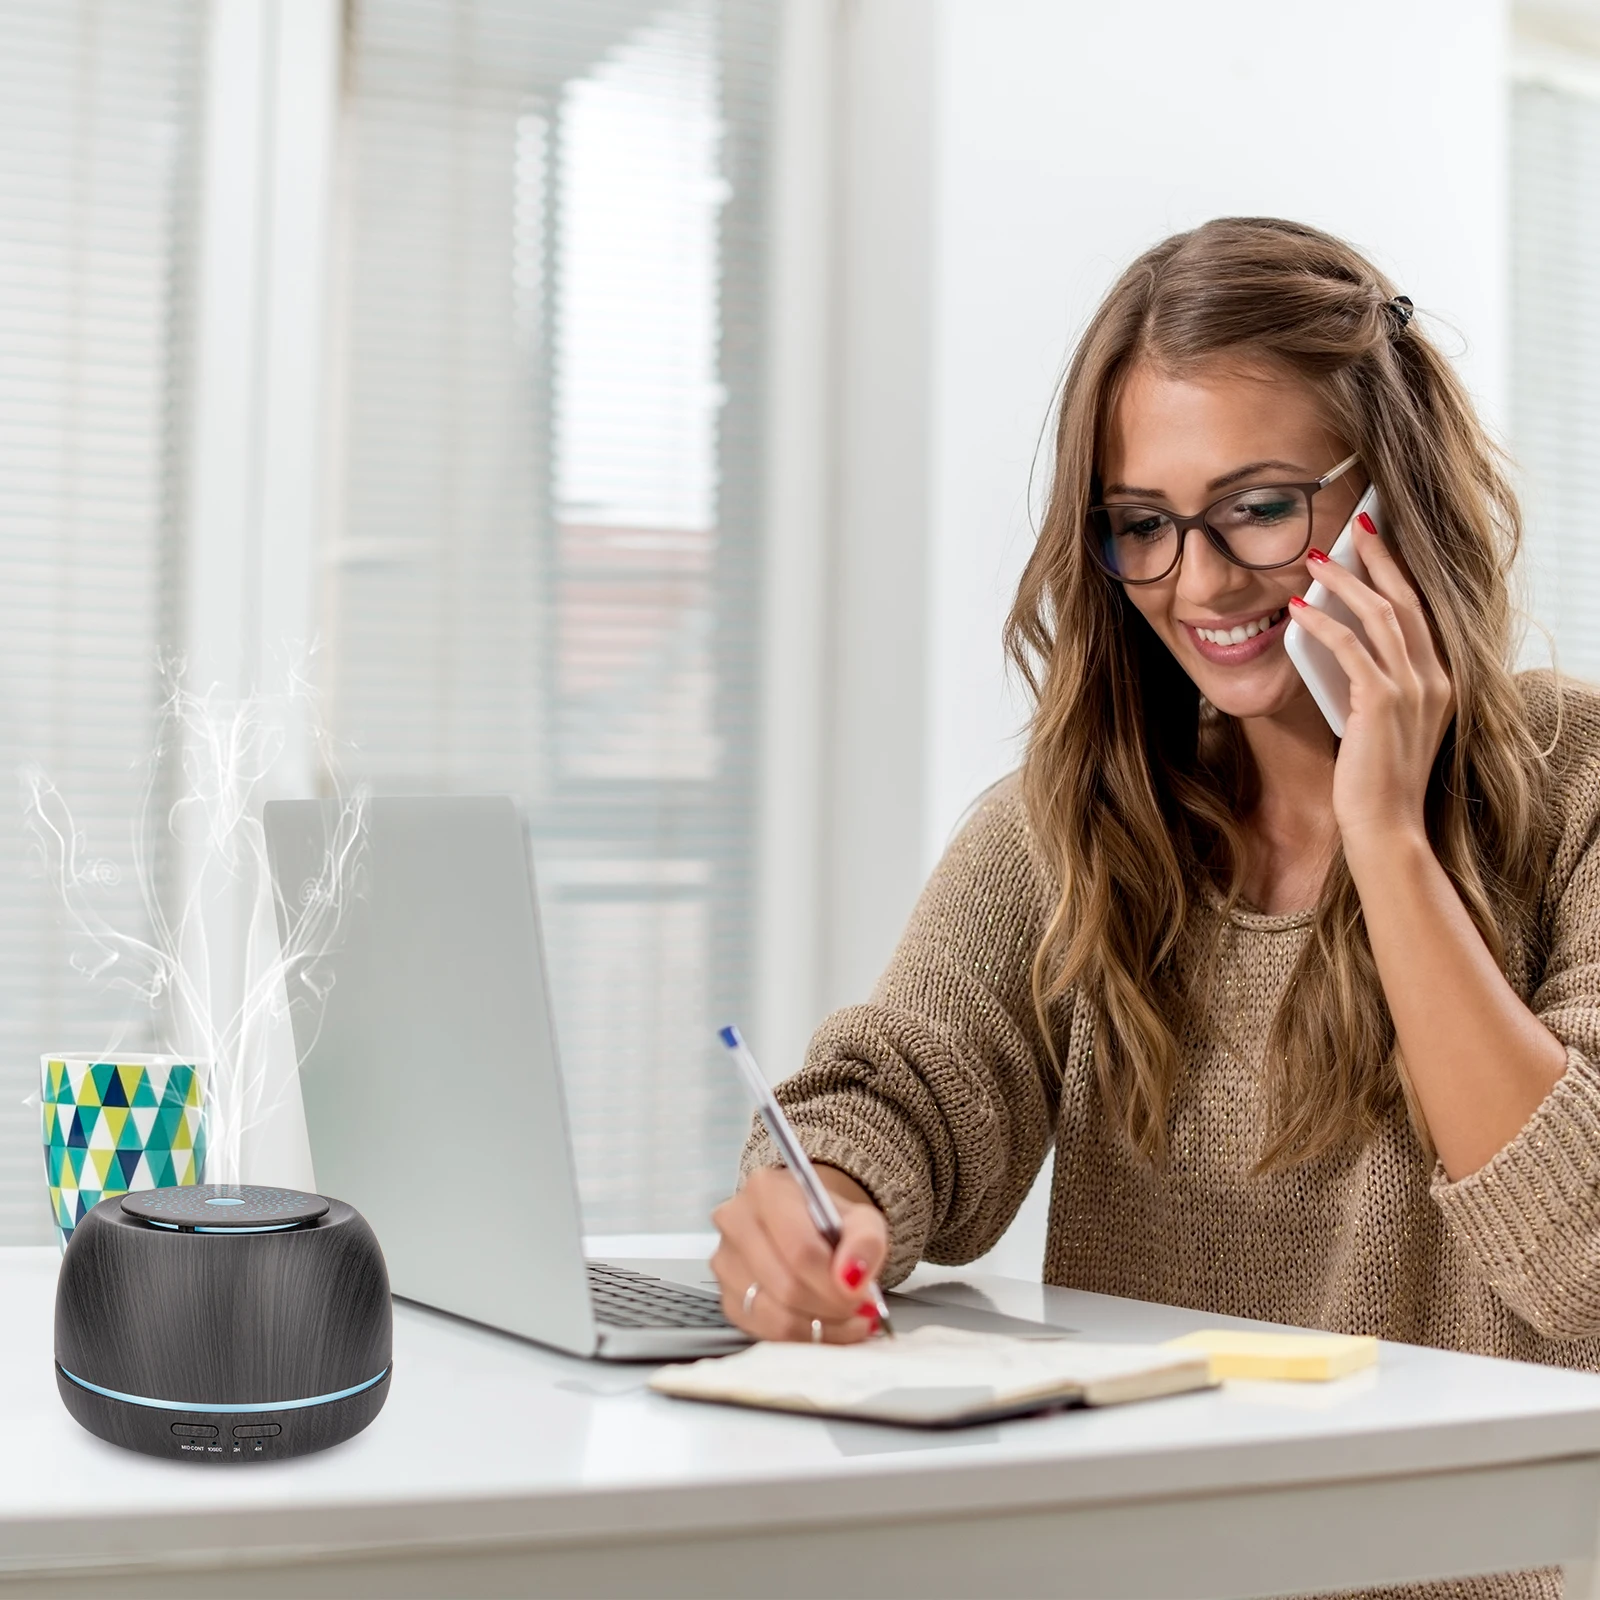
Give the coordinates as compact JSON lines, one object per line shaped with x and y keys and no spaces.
{"x":949,"y":1370}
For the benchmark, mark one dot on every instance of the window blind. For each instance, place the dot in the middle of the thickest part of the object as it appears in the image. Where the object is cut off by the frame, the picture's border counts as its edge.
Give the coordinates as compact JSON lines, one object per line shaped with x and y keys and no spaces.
{"x":544,"y":569}
{"x":1556,"y":357}
{"x":98,"y":125}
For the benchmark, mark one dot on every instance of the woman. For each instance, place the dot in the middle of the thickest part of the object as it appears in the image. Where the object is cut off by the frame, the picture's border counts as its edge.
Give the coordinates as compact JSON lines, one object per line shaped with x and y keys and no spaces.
{"x":1314,"y":1025}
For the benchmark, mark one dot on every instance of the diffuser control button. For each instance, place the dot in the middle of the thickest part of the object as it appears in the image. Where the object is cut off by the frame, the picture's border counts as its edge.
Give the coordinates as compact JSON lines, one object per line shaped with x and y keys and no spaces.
{"x":255,"y":1430}
{"x":194,"y":1430}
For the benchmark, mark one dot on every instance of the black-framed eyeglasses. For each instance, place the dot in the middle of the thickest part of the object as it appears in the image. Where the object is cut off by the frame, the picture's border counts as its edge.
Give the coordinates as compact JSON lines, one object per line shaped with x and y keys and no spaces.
{"x":1266,"y":526}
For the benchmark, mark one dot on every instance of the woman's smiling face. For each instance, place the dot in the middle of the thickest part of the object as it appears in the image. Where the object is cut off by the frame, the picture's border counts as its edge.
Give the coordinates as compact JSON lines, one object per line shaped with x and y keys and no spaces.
{"x":1179,"y":443}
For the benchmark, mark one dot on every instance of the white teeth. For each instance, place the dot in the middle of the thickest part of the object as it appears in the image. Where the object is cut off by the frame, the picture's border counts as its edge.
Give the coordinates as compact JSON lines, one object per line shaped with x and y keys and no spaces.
{"x":1246,"y":630}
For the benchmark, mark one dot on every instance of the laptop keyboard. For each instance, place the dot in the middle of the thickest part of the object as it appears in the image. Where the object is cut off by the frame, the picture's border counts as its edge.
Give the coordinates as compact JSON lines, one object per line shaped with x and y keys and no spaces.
{"x":631,"y":1300}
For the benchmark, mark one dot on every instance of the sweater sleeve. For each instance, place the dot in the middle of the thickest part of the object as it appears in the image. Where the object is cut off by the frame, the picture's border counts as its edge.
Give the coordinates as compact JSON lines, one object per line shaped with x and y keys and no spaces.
{"x":937,"y":1096}
{"x":1530,"y":1216}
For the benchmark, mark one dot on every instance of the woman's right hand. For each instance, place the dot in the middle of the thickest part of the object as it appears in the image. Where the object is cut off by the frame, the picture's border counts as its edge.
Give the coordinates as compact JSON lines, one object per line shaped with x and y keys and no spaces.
{"x":776,"y":1271}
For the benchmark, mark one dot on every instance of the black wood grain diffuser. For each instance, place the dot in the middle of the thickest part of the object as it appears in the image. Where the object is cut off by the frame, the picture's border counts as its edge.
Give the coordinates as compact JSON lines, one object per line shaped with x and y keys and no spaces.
{"x":223,"y":1323}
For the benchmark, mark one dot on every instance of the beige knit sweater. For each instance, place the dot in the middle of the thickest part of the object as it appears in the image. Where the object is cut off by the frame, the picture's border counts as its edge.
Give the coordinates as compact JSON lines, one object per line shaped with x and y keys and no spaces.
{"x":938,"y":1097}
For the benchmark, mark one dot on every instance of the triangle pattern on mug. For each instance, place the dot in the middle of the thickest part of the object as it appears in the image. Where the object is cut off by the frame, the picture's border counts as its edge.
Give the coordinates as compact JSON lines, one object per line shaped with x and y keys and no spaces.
{"x":111,"y":1126}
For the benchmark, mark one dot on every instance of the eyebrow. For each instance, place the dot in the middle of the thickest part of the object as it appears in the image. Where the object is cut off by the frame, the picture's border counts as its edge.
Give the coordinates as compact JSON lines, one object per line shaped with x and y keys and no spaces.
{"x":1238,"y":475}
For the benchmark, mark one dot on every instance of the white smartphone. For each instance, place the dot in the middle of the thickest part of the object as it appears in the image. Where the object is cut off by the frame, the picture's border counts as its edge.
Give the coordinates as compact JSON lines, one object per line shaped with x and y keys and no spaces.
{"x":1314,"y":661}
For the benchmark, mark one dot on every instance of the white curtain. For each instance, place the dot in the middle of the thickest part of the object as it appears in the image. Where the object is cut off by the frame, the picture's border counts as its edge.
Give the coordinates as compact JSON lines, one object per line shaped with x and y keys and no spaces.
{"x":1556,"y":358}
{"x":543,"y":574}
{"x":98,"y":136}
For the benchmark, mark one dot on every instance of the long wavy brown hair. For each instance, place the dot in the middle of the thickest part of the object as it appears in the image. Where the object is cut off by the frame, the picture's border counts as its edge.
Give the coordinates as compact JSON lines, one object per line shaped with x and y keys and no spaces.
{"x":1137,"y":790}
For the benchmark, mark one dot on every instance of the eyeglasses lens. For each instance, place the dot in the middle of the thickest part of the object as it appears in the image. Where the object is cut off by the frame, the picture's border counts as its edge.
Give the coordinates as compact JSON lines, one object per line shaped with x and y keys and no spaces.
{"x":1263,"y":527}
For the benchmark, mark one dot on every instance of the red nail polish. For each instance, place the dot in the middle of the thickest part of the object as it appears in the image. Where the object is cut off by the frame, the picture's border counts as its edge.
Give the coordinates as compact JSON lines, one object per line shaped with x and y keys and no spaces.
{"x":1366,"y":522}
{"x":1295,"y":600}
{"x":868,"y":1310}
{"x":853,"y":1273}
{"x":1314,"y":554}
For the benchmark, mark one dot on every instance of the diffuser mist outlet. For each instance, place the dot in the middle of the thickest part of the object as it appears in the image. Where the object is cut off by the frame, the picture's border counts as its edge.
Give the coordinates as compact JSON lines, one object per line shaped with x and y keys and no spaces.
{"x":223,"y":1322}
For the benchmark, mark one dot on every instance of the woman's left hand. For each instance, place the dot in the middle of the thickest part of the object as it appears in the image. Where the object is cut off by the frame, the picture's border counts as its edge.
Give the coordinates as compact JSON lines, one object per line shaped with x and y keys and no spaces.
{"x":1401,"y":700}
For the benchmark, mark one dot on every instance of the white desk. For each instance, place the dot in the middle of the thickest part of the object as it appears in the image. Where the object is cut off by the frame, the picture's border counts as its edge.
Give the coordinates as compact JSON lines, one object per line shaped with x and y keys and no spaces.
{"x":499,"y":1469}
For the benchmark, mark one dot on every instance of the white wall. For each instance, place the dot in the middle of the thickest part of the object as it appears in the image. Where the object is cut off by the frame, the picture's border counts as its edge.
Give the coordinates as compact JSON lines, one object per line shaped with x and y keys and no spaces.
{"x":873,"y":753}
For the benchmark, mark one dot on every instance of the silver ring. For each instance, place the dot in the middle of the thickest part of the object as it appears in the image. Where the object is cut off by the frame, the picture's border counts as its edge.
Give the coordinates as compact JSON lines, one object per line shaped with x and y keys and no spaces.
{"x":816,"y":1330}
{"x":750,"y":1297}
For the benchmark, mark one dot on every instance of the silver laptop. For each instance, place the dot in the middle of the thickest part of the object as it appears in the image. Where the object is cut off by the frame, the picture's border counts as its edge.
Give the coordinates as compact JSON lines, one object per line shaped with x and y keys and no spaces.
{"x":432,"y":1087}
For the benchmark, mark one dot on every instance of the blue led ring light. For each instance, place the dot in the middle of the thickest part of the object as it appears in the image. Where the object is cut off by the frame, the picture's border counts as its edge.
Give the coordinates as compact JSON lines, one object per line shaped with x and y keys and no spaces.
{"x":269,"y":1227}
{"x":207,"y":1405}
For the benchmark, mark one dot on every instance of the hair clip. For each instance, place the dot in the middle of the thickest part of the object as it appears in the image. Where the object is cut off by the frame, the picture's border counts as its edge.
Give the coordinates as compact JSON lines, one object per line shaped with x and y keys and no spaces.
{"x":1401,"y":309}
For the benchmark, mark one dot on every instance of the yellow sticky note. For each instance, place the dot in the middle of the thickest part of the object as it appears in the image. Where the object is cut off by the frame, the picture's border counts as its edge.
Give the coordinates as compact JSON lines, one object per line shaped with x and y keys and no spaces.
{"x":1297,"y":1357}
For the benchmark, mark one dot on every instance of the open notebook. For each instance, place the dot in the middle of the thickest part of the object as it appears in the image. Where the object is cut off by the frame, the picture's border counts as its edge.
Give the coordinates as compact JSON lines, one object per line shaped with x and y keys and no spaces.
{"x":937,"y":1377}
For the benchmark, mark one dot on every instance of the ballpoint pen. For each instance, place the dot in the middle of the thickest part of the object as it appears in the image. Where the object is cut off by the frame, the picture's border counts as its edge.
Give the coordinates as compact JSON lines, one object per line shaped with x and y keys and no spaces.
{"x":818,"y":1201}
